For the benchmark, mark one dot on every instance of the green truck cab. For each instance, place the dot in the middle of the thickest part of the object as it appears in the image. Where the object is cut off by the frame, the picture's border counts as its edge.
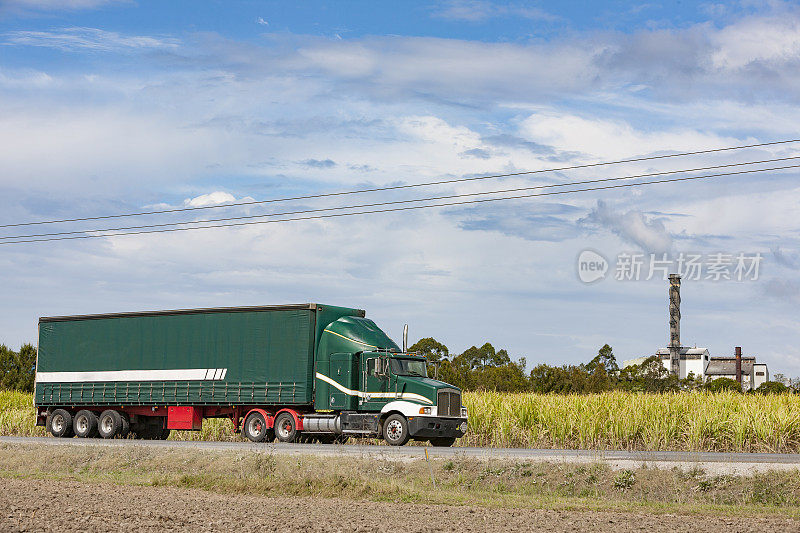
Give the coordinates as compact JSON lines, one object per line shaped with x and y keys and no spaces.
{"x":296,"y":372}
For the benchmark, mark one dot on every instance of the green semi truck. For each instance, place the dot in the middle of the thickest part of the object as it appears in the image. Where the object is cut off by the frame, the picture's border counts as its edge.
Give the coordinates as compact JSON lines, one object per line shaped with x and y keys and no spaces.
{"x":296,"y":372}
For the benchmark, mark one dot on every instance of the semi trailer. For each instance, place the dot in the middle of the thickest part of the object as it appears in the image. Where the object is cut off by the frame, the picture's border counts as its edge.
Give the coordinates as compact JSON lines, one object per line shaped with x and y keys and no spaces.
{"x":296,"y":372}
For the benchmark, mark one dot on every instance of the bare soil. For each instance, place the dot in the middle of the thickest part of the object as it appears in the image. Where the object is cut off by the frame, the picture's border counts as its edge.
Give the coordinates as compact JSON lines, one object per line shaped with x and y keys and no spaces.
{"x":45,"y":505}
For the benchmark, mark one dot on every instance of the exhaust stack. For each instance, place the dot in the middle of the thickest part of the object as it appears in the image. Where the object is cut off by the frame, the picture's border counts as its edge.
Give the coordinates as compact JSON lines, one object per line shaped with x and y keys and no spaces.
{"x":738,"y":352}
{"x":674,"y":324}
{"x":405,"y":338}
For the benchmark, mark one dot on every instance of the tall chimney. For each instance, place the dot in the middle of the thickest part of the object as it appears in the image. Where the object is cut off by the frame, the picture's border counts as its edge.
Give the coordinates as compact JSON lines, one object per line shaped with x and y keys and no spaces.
{"x":738,"y":352}
{"x":674,"y":324}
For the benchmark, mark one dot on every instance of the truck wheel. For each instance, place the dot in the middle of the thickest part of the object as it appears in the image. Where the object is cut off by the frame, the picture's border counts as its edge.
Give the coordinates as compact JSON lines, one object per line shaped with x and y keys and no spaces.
{"x":109,"y":425}
{"x":126,"y":425}
{"x":85,"y":424}
{"x":444,"y":442}
{"x":59,"y":423}
{"x":395,"y":430}
{"x":285,"y":428}
{"x":255,"y":427}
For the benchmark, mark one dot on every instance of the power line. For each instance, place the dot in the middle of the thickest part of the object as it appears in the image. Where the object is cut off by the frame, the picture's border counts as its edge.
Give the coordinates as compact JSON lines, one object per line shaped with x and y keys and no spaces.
{"x":377,"y":204}
{"x":395,"y":209}
{"x":396,"y":187}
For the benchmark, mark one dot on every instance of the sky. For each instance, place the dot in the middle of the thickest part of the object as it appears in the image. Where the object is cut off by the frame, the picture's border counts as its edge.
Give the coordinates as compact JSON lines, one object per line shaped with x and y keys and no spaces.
{"x":111,"y":107}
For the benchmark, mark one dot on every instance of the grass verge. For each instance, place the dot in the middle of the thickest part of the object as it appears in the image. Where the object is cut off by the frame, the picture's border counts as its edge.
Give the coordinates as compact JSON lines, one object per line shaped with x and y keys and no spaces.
{"x":459,"y":481}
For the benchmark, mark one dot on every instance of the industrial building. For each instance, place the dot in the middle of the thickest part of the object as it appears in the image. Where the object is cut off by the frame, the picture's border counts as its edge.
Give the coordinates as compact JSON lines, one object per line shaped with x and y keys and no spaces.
{"x":684,"y":361}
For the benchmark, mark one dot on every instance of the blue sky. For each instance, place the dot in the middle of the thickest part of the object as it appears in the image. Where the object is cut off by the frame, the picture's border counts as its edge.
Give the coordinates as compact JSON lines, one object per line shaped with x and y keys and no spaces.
{"x":109,"y":107}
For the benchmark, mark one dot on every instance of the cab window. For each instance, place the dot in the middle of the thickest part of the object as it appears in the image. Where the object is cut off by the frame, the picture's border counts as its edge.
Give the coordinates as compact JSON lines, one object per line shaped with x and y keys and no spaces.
{"x":409,"y":367}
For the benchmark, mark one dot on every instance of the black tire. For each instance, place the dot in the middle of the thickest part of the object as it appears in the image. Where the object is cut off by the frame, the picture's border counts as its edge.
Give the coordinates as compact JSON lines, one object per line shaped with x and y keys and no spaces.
{"x":126,"y":426}
{"x":285,"y":428}
{"x":444,"y":442}
{"x":395,"y":430}
{"x":109,"y":424}
{"x":84,"y":424}
{"x":59,"y":423}
{"x":255,"y":427}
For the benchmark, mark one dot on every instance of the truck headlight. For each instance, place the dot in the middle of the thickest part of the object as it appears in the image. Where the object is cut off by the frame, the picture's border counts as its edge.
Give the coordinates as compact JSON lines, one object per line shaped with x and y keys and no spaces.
{"x":463,"y":412}
{"x":424,"y":410}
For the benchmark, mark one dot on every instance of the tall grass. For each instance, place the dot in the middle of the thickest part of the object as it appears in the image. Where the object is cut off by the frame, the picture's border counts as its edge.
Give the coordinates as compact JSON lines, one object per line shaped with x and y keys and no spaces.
{"x":724,"y":421}
{"x":701,"y":421}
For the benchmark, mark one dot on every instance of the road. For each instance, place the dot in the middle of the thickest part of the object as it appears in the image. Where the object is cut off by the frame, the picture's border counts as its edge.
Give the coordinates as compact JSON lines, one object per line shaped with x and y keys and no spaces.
{"x":712,"y":462}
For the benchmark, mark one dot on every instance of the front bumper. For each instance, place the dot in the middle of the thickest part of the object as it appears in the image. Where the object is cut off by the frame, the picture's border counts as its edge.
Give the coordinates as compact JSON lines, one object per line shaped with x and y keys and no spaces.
{"x":426,"y":427}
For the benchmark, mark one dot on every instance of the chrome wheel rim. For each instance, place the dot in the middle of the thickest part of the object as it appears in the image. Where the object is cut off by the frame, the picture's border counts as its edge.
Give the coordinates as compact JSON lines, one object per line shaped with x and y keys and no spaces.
{"x":107,"y":425}
{"x":255,"y":427}
{"x":81,"y":424}
{"x":394,"y":430}
{"x":57,"y":423}
{"x":285,"y":428}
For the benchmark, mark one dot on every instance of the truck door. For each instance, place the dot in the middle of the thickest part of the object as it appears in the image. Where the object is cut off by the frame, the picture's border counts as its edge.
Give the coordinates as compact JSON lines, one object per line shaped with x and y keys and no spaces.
{"x":343,"y":372}
{"x":374,"y":382}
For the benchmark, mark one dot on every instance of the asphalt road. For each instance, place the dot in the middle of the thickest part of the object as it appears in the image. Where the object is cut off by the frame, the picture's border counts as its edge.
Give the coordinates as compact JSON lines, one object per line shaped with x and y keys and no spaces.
{"x":731,"y":463}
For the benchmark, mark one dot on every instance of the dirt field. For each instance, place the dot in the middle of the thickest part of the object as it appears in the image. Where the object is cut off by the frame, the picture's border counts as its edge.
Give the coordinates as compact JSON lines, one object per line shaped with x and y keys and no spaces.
{"x":43,"y":505}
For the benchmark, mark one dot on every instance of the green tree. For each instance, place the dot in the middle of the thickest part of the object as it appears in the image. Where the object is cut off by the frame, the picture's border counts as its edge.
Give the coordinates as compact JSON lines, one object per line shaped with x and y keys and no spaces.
{"x":605,"y":358}
{"x":648,"y":376}
{"x":433,"y":350}
{"x":723,"y":384}
{"x":772,"y":387}
{"x":18,"y":369}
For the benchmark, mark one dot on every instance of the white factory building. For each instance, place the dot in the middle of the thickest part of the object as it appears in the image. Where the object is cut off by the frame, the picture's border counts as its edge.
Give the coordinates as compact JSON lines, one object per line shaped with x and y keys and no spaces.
{"x":698,"y":361}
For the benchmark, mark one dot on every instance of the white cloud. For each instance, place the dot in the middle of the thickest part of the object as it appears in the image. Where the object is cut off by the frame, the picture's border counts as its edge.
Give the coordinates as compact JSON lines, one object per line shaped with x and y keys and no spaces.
{"x":774,"y":41}
{"x":213,"y":198}
{"x":633,"y":227}
{"x":612,"y":139}
{"x":90,"y":39}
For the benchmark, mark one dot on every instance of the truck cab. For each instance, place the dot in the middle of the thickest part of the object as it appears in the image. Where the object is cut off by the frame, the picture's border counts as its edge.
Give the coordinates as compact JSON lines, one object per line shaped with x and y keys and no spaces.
{"x":376,"y":389}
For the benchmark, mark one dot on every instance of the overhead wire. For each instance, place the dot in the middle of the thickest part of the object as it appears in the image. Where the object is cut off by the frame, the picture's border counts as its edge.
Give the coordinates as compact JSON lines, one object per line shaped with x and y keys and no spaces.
{"x":397,"y":209}
{"x":395,"y":202}
{"x":399,"y":187}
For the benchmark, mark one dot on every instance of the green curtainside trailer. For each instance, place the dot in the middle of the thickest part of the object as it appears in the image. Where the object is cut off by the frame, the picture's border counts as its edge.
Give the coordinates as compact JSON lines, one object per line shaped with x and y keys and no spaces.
{"x":298,"y":372}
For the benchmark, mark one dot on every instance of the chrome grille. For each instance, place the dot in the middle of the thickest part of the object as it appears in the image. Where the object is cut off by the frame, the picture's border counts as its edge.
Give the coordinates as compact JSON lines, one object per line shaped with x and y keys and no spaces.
{"x":449,"y":404}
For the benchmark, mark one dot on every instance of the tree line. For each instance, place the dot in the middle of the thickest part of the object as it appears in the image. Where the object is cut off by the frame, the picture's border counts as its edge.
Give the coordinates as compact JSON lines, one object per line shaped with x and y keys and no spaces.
{"x":486,"y":368}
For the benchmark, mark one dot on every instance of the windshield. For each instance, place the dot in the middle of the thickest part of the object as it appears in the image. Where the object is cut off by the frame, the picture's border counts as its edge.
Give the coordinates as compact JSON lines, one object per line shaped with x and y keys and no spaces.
{"x":409,"y":367}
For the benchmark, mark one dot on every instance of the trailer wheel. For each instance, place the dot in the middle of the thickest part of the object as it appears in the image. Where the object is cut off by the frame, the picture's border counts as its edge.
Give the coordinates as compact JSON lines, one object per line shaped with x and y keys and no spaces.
{"x":255,"y":427}
{"x":85,"y":424}
{"x":126,"y":425}
{"x":395,"y":430}
{"x":59,"y":423}
{"x":285,"y":427}
{"x":109,"y":425}
{"x":444,"y":442}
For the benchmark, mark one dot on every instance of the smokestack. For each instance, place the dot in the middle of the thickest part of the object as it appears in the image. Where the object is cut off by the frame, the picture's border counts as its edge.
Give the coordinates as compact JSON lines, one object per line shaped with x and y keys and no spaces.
{"x":674,"y":324}
{"x":738,"y":352}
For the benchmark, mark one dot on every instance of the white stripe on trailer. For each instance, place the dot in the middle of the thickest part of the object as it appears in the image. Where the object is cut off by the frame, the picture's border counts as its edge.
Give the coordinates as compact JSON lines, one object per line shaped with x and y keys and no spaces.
{"x":177,"y":374}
